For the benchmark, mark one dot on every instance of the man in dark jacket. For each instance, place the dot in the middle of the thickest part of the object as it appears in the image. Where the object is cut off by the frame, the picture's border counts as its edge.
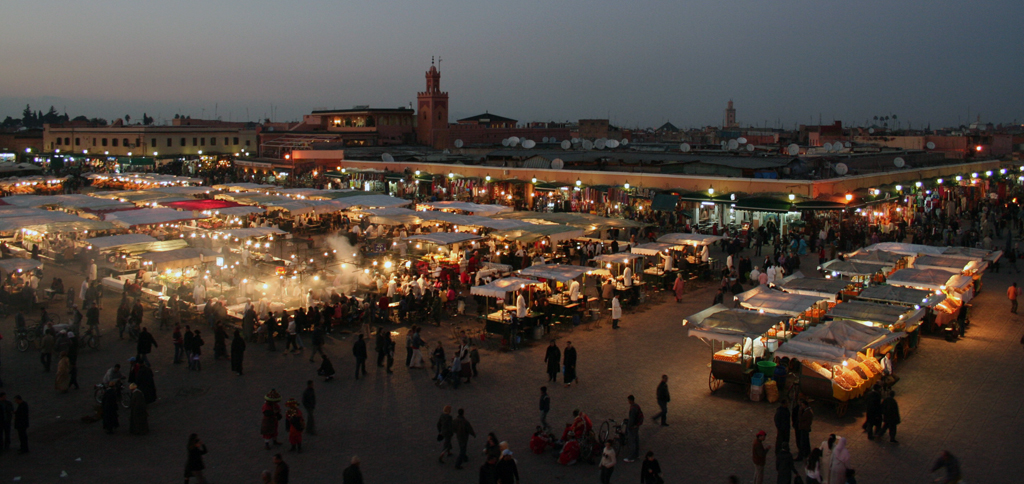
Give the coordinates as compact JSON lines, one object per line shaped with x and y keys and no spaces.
{"x":784,"y":465}
{"x":873,"y":413}
{"x":280,"y":470}
{"x":507,"y":470}
{"x":545,"y":406}
{"x":803,"y":432}
{"x":569,"y":362}
{"x":663,"y":399}
{"x":6,"y":420}
{"x":309,"y":403}
{"x":445,"y":429}
{"x":381,"y":344}
{"x":633,"y":429}
{"x":352,"y":474}
{"x":21,"y":423}
{"x":463,"y":430}
{"x":359,"y":351}
{"x":489,"y":471}
{"x":145,"y":346}
{"x":890,"y":416}
{"x":782,"y":417}
{"x":553,"y":357}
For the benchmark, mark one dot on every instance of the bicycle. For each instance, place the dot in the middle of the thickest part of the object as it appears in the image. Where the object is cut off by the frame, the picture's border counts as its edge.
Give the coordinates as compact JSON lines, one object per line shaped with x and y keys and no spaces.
{"x":612,"y":430}
{"x":90,"y":338}
{"x":124,"y":398}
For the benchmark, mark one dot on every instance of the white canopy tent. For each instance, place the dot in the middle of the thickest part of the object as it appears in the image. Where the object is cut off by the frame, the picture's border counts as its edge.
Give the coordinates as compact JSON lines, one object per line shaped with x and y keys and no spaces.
{"x":907,"y":296}
{"x":932,"y":279}
{"x":114,"y":241}
{"x":238,"y":211}
{"x":836,"y":341}
{"x":730,"y":325}
{"x":500,"y":288}
{"x":474,"y":208}
{"x":653,"y":248}
{"x":876,"y":314}
{"x":762,"y":298}
{"x":149,"y":216}
{"x":797,"y":283}
{"x":689,"y":239}
{"x":9,"y":266}
{"x":445,"y":238}
{"x":950,"y":264}
{"x":251,"y":232}
{"x":556,"y":272}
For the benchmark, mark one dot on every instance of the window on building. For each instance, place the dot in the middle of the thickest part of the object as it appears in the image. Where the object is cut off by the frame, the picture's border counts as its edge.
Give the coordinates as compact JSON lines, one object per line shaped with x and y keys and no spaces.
{"x":153,"y":143}
{"x":78,"y":141}
{"x":169,"y":142}
{"x":67,"y":141}
{"x":105,"y":142}
{"x":246,"y":142}
{"x":213,"y":141}
{"x":125,"y":143}
{"x":195,"y":141}
{"x":236,"y":141}
{"x":226,"y":143}
{"x":113,"y":142}
{"x":202,"y":141}
{"x":94,"y":141}
{"x":59,"y":141}
{"x":183,"y":142}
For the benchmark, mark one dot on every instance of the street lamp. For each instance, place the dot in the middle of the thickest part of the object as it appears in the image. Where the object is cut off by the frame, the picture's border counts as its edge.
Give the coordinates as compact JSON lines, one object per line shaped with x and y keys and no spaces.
{"x":792,"y":196}
{"x":899,"y":188}
{"x":626,"y":186}
{"x":533,"y":180}
{"x":849,"y":197}
{"x":487,"y":178}
{"x":578,"y":182}
{"x":711,"y":191}
{"x":918,"y":184}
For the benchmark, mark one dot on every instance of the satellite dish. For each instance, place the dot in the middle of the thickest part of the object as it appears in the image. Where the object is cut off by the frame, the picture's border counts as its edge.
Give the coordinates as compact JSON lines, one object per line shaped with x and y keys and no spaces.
{"x":624,"y":142}
{"x":387,"y":157}
{"x":600,"y":143}
{"x":529,"y":143}
{"x":793,"y":149}
{"x":750,"y":147}
{"x":513,"y":141}
{"x":552,"y":140}
{"x":871,"y":130}
{"x":827,"y":147}
{"x":685,"y":147}
{"x":930,"y":145}
{"x":741,"y":140}
{"x":847,"y":144}
{"x":557,"y":164}
{"x":725,"y":145}
{"x":575,"y":140}
{"x":841,"y":169}
{"x":566,"y":144}
{"x":733,"y":145}
{"x":612,"y":144}
{"x":504,"y":142}
{"x":458,"y":143}
{"x":899,"y":162}
{"x":544,"y":139}
{"x":588,"y":145}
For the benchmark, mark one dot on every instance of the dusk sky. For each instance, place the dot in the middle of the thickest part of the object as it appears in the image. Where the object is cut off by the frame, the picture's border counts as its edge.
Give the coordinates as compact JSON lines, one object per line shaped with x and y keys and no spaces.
{"x":639,"y":63}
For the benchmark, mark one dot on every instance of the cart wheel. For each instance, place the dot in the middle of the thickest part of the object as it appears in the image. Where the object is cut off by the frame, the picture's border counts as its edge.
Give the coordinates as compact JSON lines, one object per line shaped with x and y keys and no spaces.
{"x":714,"y":383}
{"x":841,"y":409}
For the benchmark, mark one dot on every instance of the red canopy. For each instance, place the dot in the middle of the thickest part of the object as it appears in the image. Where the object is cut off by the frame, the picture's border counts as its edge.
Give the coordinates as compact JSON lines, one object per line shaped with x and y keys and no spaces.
{"x":202,"y":205}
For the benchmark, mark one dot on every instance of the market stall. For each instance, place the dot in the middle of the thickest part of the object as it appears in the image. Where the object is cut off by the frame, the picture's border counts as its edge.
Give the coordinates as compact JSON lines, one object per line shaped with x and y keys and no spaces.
{"x":953,"y":285}
{"x":954,"y":265}
{"x":738,"y":339}
{"x":832,"y":289}
{"x":861,"y":272}
{"x":564,"y":284}
{"x":503,"y":292}
{"x":804,"y":310}
{"x":894,"y":318}
{"x":941,"y":311}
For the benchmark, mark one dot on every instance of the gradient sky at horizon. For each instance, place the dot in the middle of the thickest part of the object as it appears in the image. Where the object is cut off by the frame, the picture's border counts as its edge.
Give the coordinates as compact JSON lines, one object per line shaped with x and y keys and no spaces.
{"x":638,"y":63}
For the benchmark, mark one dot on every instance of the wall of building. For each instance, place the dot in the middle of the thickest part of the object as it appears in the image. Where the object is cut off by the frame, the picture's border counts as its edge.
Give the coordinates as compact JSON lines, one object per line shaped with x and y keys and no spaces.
{"x":149,"y":140}
{"x":471,"y":134}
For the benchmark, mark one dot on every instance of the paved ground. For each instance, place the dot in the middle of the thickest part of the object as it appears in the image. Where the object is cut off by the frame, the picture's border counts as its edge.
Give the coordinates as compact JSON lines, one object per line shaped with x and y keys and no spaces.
{"x":964,"y":397}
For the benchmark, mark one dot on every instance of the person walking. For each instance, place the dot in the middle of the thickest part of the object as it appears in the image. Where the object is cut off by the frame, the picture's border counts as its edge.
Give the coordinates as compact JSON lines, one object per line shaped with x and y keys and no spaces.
{"x":237,"y":352}
{"x":616,"y":312}
{"x":662,"y":397}
{"x":48,"y":344}
{"x":63,"y":380}
{"x":445,"y":430}
{"x":839,"y":463}
{"x":784,"y":465}
{"x":318,"y":341}
{"x":812,"y":473}
{"x":826,"y":457}
{"x":1012,"y":293}
{"x":545,"y":407}
{"x":21,"y":423}
{"x":271,"y":414}
{"x":650,"y":470}
{"x":381,"y":343}
{"x":179,"y":344}
{"x":507,"y":469}
{"x":352,"y":474}
{"x":463,"y":430}
{"x":569,"y":364}
{"x":803,"y":433}
{"x":636,"y":419}
{"x":607,"y":462}
{"x":294,"y":424}
{"x":489,"y":471}
{"x":111,"y":400}
{"x":359,"y":351}
{"x":145,"y":346}
{"x":873,"y":412}
{"x":782,"y":418}
{"x":553,"y":357}
{"x":678,"y":287}
{"x":197,"y":351}
{"x":194,"y":466}
{"x":890,"y":416}
{"x":138,"y":415}
{"x":6,"y":421}
{"x":280,"y":470}
{"x":759,"y":456}
{"x":309,"y":403}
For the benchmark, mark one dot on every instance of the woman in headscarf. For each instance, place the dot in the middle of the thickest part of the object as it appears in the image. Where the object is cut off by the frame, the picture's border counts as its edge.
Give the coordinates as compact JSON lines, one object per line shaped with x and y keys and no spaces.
{"x":826,"y":457}
{"x":840,"y":462}
{"x":138,"y":420}
{"x":63,"y":373}
{"x":678,"y":288}
{"x":237,"y":352}
{"x":109,"y":406}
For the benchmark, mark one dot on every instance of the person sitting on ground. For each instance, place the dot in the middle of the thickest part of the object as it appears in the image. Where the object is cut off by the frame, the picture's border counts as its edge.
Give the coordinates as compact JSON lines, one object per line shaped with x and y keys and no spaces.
{"x":570,"y":451}
{"x":326,"y":369}
{"x":541,"y":441}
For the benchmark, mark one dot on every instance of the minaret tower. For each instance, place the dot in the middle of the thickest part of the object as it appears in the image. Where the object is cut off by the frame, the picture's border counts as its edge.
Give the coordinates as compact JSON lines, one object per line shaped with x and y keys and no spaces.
{"x":432,"y":118}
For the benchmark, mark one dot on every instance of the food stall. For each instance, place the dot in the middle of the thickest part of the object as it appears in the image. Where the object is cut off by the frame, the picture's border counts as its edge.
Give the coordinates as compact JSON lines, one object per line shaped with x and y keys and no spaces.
{"x":860,"y":272}
{"x":440,"y":251}
{"x":832,"y":289}
{"x":699,"y":243}
{"x":662,"y":265}
{"x":804,"y":310}
{"x":564,"y":283}
{"x":941,"y":310}
{"x":892,"y":260}
{"x":506,"y":291}
{"x":894,"y":318}
{"x":955,"y":286}
{"x":838,"y":359}
{"x":738,"y":339}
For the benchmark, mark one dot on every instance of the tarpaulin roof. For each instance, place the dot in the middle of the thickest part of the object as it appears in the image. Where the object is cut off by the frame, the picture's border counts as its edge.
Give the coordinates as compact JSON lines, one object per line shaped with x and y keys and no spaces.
{"x":620,"y":258}
{"x":653,"y":248}
{"x":949,"y":264}
{"x":392,"y":216}
{"x":240,"y":187}
{"x":474,"y":220}
{"x":918,"y":249}
{"x":854,"y":268}
{"x":174,"y":259}
{"x":15,"y":265}
{"x":104,"y":243}
{"x":240,"y":211}
{"x":251,"y":232}
{"x":533,"y":233}
{"x":585,"y":221}
{"x":689,"y":239}
{"x":876,"y":313}
{"x":880,"y":256}
{"x":72,"y":201}
{"x":444,"y":238}
{"x":932,"y":279}
{"x":901,"y":295}
{"x":11,"y":212}
{"x":201,"y":205}
{"x":44,"y":217}
{"x":80,"y":225}
{"x":765,"y":299}
{"x":148,"y":216}
{"x":797,"y":283}
{"x":836,"y":341}
{"x":557,"y":272}
{"x":501,"y":287}
{"x":730,"y":325}
{"x":474,"y":208}
{"x":374,"y":201}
